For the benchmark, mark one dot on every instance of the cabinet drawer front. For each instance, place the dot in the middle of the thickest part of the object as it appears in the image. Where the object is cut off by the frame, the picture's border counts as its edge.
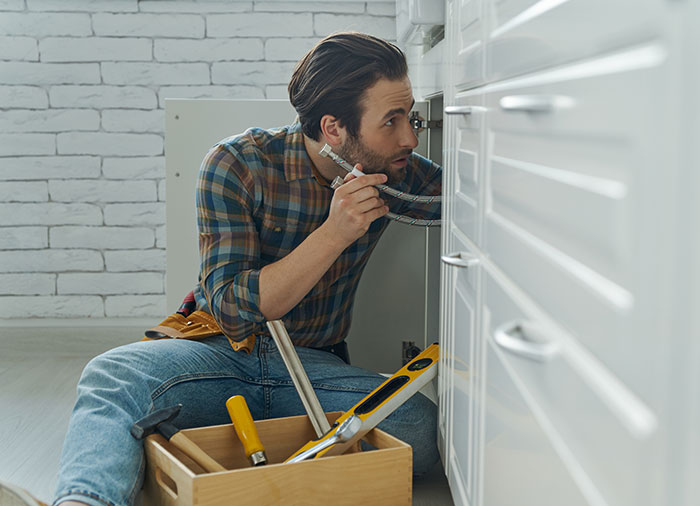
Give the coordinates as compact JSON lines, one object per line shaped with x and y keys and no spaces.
{"x":608,"y":433}
{"x":469,"y":44}
{"x":567,"y":208}
{"x":529,"y":35}
{"x":520,"y":464}
{"x":468,"y":143}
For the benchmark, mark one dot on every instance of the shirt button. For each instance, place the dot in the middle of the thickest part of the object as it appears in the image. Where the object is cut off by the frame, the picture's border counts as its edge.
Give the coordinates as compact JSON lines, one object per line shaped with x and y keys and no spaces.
{"x":278,"y":229}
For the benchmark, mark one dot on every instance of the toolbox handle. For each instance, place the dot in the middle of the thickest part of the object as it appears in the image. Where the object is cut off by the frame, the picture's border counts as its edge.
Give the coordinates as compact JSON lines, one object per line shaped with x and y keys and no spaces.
{"x":165,"y":482}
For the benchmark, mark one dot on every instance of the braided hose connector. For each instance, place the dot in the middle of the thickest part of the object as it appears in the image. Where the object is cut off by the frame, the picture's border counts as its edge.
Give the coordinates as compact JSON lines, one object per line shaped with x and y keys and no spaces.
{"x":337,"y":182}
{"x":327,"y":152}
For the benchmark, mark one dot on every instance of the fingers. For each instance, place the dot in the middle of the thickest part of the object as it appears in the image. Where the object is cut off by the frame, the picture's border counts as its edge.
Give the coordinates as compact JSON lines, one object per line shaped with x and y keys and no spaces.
{"x":377,"y":212}
{"x":370,"y":204}
{"x":363,"y":194}
{"x":352,"y":183}
{"x":350,"y":176}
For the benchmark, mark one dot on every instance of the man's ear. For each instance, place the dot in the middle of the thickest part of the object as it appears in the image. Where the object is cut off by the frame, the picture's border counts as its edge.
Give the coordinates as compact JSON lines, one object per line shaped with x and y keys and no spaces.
{"x":331,"y":131}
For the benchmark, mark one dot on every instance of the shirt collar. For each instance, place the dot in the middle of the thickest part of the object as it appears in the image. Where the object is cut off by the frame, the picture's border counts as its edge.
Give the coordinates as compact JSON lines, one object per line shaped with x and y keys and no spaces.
{"x":297,"y":164}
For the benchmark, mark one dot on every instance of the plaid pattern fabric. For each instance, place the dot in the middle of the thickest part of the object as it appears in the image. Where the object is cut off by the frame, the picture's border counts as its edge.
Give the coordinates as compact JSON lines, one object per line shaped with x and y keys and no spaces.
{"x":258,"y":199}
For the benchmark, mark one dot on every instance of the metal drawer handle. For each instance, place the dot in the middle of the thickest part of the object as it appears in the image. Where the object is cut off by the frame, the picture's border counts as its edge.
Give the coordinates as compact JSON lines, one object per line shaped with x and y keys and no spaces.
{"x":535,"y":103}
{"x":460,"y":259}
{"x":463,"y":109}
{"x":517,"y":337}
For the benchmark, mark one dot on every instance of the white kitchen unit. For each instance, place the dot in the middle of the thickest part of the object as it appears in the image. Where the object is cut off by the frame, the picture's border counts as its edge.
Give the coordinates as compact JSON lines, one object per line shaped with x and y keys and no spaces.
{"x":570,"y":320}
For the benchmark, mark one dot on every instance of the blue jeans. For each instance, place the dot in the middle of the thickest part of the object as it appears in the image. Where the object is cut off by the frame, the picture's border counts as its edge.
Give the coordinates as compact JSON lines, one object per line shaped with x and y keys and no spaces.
{"x":103,"y":464}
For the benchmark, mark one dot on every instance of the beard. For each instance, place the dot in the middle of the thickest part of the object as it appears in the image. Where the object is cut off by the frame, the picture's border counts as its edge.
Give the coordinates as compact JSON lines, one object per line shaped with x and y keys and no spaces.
{"x":355,"y":151}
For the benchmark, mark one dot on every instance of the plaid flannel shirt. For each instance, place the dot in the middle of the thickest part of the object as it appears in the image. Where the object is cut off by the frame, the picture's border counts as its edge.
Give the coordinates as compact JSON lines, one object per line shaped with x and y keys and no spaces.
{"x":257,"y":199}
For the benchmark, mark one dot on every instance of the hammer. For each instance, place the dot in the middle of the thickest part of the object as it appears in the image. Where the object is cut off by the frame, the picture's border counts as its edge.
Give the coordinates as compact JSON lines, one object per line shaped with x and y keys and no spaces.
{"x":161,"y":421}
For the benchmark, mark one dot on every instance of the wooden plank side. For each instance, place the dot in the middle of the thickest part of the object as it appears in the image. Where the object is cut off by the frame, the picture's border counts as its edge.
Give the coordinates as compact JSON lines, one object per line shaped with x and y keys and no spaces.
{"x":168,"y":481}
{"x":376,"y":477}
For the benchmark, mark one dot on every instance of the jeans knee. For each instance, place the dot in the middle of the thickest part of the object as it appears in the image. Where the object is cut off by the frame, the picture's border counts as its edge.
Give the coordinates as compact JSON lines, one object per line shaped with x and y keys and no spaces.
{"x":415,"y":423}
{"x":100,"y":369}
{"x":425,"y":451}
{"x":111,"y":376}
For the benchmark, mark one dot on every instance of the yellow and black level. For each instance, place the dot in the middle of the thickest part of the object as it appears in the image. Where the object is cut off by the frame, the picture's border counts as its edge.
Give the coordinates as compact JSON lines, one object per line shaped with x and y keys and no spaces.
{"x":380,"y":403}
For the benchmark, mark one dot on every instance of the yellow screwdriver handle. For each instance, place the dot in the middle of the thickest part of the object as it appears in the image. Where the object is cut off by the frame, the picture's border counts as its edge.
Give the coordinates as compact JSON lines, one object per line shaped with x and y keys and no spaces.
{"x":243,"y":423}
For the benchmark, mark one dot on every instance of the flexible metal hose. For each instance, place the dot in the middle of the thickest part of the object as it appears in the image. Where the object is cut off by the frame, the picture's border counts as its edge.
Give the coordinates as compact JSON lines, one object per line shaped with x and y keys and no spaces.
{"x":326,"y":151}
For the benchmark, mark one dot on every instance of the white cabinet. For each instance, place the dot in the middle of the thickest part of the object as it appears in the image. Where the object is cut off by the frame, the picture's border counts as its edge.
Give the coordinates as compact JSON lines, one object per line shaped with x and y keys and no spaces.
{"x":468,"y":51}
{"x":570,"y":341}
{"x":520,"y":465}
{"x":529,"y":35}
{"x":461,"y":388}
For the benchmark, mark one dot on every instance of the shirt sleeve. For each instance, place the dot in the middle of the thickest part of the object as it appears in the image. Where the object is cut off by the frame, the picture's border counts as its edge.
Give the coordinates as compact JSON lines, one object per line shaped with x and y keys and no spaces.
{"x":424,"y":177}
{"x":228,"y":242}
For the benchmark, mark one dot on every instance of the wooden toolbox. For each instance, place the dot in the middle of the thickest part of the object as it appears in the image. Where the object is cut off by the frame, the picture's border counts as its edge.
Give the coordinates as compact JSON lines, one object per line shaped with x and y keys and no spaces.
{"x":382,"y":476}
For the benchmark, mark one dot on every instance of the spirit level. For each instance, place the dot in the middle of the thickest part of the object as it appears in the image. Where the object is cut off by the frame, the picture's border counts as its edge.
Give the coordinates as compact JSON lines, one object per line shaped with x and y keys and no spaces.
{"x":374,"y":408}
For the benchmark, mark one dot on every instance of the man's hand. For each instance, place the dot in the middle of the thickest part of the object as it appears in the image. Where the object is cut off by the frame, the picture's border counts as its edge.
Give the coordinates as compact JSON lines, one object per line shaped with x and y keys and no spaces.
{"x":355,"y":205}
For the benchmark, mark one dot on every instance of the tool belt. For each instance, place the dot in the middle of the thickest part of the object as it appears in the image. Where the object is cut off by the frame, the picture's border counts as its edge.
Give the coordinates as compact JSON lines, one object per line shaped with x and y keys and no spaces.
{"x":200,"y":324}
{"x":196,"y":325}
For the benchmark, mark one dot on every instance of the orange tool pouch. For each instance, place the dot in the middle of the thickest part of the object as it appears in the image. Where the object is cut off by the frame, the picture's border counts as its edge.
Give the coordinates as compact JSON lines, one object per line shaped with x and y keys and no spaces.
{"x":196,"y":325}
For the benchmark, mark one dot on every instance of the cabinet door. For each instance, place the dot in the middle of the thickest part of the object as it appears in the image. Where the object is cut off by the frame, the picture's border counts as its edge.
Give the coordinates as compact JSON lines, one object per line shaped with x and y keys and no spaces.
{"x":467,"y":164}
{"x":520,"y":465}
{"x":192,"y":127}
{"x":462,"y":366}
{"x":446,"y":284}
{"x":529,"y":35}
{"x":599,"y":428}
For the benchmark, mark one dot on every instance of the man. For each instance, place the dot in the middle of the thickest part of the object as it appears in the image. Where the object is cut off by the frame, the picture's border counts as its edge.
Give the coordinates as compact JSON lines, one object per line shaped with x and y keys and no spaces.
{"x":276,"y":242}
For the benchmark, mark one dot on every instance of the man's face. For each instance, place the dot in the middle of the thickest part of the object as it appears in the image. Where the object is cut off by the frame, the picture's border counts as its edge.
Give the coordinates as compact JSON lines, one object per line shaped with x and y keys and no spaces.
{"x":385,"y":139}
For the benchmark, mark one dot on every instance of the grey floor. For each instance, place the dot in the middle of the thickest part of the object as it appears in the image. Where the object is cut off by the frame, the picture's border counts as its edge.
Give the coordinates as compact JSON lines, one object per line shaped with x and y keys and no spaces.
{"x":39,"y":369}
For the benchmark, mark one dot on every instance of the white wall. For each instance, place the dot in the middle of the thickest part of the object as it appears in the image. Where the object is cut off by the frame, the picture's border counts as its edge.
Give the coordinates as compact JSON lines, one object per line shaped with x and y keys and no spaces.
{"x":82,"y":91}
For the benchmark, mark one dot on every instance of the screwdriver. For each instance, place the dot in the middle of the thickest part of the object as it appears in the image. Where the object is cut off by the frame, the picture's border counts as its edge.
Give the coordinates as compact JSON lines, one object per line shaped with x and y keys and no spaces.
{"x":245,"y":428}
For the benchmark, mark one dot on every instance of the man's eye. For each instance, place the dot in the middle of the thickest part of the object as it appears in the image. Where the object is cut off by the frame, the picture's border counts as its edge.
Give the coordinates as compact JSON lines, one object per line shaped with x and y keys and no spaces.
{"x":389,"y":123}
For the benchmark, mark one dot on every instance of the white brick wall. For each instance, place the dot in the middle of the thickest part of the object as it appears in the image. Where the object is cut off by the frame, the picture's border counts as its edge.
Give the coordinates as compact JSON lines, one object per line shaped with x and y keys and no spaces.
{"x":45,"y":167}
{"x":130,"y":97}
{"x":29,"y":97}
{"x":27,"y":284}
{"x":83,"y":85}
{"x":120,"y":120}
{"x":27,"y":144}
{"x":102,"y":191}
{"x":18,"y":48}
{"x":33,"y":191}
{"x":68,"y":49}
{"x":49,"y":120}
{"x":23,"y":238}
{"x":103,"y":238}
{"x":151,"y":167}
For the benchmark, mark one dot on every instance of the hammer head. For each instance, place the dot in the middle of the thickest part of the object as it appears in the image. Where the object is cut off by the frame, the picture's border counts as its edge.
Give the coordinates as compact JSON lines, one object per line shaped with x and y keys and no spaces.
{"x":149,"y":423}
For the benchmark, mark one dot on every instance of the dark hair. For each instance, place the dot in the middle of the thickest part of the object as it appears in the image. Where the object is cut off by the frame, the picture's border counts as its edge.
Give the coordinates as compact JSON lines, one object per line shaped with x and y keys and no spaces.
{"x":333,"y":77}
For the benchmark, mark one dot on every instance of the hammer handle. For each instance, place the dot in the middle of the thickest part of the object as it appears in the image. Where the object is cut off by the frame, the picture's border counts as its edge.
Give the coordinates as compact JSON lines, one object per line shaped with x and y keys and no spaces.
{"x":194,"y":452}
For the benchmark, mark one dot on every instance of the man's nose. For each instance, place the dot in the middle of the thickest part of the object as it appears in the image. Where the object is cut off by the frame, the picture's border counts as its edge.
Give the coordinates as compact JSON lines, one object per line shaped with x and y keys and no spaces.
{"x":408,"y":139}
